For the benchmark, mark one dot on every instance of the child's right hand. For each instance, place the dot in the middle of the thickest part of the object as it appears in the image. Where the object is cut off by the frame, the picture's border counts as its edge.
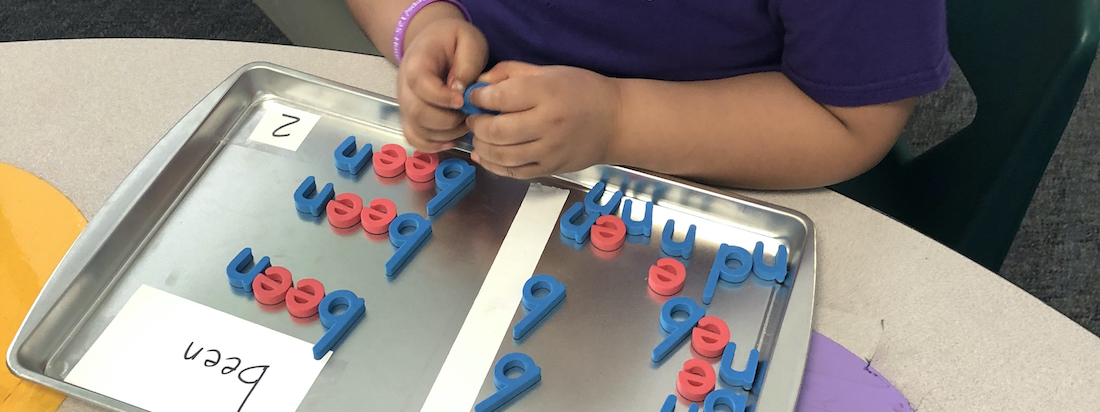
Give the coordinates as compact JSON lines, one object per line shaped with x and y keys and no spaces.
{"x":445,"y":56}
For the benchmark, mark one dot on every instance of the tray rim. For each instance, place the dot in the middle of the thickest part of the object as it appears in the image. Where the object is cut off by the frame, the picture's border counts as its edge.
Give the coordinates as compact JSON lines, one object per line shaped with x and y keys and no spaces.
{"x":792,"y":340}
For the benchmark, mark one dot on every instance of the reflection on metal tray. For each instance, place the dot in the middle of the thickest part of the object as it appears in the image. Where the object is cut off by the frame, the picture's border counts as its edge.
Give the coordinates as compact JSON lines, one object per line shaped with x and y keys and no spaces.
{"x":205,"y":191}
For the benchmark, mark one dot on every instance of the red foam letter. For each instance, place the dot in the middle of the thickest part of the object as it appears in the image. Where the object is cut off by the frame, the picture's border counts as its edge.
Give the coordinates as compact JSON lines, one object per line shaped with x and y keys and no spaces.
{"x":344,"y":210}
{"x":270,"y":286}
{"x":608,"y":233}
{"x":667,"y":276}
{"x":710,"y":336}
{"x":302,"y":302}
{"x":421,"y":166}
{"x":390,"y":160}
{"x":696,"y":380}
{"x":378,"y":215}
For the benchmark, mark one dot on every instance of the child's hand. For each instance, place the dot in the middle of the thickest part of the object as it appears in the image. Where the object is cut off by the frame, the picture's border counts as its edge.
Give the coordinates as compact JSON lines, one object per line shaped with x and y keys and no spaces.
{"x":553,"y":119}
{"x":438,"y":64}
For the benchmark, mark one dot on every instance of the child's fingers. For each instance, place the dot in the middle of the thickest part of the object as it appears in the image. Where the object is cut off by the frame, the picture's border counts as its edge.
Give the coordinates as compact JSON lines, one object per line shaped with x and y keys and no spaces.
{"x":424,"y":76}
{"x":508,"y":155}
{"x":514,"y":94}
{"x":433,"y":118}
{"x":508,"y":69}
{"x":503,"y":129}
{"x":471,"y":53}
{"x":425,"y":138}
{"x":418,"y":137}
{"x":528,"y":171}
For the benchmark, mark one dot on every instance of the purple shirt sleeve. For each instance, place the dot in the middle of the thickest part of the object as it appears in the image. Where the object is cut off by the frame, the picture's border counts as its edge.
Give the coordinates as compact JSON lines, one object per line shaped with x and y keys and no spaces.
{"x":864,"y":52}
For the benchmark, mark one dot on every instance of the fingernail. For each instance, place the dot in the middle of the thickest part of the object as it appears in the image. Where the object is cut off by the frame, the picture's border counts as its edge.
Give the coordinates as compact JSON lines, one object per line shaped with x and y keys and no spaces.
{"x":475,"y":157}
{"x":460,"y":99}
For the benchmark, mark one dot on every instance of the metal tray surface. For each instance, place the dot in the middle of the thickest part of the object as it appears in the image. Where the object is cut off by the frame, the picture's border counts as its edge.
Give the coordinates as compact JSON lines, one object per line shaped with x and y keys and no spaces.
{"x":205,"y":191}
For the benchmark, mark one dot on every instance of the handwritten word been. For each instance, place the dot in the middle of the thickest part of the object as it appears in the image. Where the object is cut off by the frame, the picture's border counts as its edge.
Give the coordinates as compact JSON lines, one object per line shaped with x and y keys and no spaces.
{"x":214,"y":357}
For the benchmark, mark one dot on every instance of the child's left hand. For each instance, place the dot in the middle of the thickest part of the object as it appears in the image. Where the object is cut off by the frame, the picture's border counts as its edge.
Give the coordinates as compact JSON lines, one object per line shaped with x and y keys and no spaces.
{"x":553,"y":119}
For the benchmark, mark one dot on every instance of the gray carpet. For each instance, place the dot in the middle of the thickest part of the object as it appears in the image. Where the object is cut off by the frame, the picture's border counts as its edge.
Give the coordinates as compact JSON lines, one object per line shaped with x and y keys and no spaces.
{"x":1056,"y":254}
{"x":238,"y":20}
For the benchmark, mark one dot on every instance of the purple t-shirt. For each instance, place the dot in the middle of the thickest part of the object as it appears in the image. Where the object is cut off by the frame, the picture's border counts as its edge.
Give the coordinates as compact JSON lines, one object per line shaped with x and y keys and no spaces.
{"x":839,"y":52}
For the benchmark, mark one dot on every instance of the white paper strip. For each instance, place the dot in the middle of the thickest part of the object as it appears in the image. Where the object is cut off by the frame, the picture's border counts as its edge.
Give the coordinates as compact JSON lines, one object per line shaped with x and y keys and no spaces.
{"x":474,"y":350}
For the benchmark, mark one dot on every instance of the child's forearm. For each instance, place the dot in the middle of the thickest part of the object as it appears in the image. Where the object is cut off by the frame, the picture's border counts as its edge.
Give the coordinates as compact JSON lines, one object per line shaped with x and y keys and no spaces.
{"x":752,"y":131}
{"x":377,"y":19}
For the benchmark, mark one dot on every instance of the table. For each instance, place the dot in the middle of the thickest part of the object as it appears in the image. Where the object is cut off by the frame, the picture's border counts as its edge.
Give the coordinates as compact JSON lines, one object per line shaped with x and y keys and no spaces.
{"x":951,"y":335}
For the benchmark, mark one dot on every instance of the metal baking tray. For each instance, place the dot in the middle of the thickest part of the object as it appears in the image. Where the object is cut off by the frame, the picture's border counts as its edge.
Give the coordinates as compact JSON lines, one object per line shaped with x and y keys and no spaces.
{"x":205,"y":191}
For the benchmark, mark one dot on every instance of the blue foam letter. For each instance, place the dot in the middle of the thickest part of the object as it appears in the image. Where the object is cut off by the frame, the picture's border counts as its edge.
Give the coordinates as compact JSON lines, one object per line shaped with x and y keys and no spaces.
{"x":406,"y":243}
{"x":742,"y":378}
{"x":777,"y":271}
{"x":468,"y":107}
{"x":592,"y":198}
{"x":305,"y":200}
{"x":508,"y":388}
{"x":735,"y":402}
{"x":638,"y":227}
{"x":450,"y":187}
{"x":538,"y":307}
{"x":346,"y":161}
{"x":674,"y":248}
{"x":571,"y":229}
{"x":240,"y":275}
{"x":670,"y":404}
{"x":678,"y":330}
{"x":338,"y":325}
{"x":721,"y":269}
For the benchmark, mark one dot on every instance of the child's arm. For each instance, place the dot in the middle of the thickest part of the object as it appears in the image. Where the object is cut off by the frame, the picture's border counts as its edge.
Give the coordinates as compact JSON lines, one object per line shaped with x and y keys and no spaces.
{"x":753,"y":131}
{"x":377,"y":19}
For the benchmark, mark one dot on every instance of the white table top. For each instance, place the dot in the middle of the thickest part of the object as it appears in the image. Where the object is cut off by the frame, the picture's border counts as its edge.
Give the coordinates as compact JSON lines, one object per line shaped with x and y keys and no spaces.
{"x":951,"y":335}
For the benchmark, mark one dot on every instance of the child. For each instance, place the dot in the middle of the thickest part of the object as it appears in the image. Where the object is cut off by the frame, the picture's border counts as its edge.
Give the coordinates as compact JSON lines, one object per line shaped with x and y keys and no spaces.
{"x":770,"y":94}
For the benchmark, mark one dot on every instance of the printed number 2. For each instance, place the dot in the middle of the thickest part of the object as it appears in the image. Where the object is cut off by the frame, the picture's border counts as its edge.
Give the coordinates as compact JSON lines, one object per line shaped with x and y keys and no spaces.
{"x":276,"y":132}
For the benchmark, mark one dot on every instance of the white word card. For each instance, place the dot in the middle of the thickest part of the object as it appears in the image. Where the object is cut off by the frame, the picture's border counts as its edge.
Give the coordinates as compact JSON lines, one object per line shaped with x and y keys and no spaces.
{"x":166,"y":353}
{"x":283,"y":126}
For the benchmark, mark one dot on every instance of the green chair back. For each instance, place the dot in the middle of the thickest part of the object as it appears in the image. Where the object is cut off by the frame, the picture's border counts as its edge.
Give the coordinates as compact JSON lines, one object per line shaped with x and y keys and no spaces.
{"x":1026,"y":61}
